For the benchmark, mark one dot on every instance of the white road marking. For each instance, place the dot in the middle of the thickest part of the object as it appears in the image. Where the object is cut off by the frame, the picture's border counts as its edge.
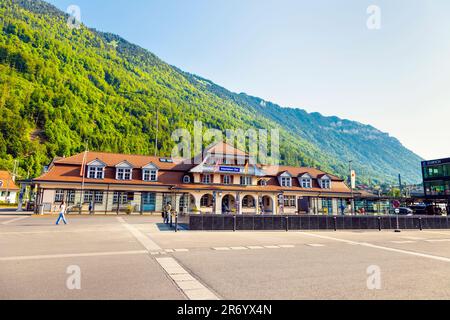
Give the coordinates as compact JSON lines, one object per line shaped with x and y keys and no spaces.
{"x":73,"y":255}
{"x":365,"y":244}
{"x":148,"y":244}
{"x":287,"y":246}
{"x":403,"y":241}
{"x":222,"y":249}
{"x":272,"y":247}
{"x":65,"y":231}
{"x":413,"y":238}
{"x":315,"y":245}
{"x":181,"y":250}
{"x":238,"y":248}
{"x":438,"y":240}
{"x":14,"y":220}
{"x":255,"y":247}
{"x":190,"y":286}
{"x":437,"y":232}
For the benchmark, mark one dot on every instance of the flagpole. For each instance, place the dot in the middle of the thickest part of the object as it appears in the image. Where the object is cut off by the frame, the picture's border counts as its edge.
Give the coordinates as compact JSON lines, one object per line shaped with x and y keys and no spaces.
{"x":83,"y":175}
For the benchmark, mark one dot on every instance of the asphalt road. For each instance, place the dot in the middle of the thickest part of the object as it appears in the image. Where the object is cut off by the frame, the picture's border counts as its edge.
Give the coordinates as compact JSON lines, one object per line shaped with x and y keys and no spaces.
{"x":110,"y":257}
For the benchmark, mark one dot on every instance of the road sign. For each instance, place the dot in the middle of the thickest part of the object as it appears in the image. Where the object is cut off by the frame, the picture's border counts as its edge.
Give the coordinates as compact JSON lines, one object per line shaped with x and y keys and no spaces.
{"x":396,"y":204}
{"x":397,"y":211}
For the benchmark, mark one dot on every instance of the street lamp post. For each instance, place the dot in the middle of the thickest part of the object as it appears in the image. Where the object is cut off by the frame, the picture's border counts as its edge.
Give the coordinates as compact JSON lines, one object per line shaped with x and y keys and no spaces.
{"x":351,"y":186}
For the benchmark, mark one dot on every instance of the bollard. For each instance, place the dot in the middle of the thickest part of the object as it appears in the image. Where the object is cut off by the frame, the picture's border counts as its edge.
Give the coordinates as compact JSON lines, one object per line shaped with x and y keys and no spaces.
{"x":379,"y":223}
{"x":176,"y":223}
{"x":287,"y":223}
{"x":420,"y":224}
{"x":335,"y":223}
{"x":234,"y":223}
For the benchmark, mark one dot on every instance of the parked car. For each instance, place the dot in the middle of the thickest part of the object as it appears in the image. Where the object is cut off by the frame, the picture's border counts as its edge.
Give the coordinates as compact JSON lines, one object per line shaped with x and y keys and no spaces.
{"x":419,"y":209}
{"x":404,"y":211}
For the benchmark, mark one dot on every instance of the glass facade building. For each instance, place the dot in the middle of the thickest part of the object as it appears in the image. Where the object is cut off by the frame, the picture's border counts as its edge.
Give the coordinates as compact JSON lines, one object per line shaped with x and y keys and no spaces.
{"x":436,"y":178}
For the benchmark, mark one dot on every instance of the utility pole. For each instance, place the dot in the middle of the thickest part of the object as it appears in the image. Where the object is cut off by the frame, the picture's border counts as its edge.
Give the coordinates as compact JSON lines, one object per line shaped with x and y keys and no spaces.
{"x":400,"y":185}
{"x":157,"y":131}
{"x":14,"y":173}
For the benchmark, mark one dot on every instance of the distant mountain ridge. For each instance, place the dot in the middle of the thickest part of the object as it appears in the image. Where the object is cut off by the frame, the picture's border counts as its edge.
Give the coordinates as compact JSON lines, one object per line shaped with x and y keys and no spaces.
{"x":64,"y":86}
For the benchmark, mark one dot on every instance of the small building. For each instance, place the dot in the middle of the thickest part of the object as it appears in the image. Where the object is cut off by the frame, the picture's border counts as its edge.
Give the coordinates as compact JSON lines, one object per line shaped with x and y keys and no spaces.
{"x":224,"y":182}
{"x":436,"y":178}
{"x":8,"y":188}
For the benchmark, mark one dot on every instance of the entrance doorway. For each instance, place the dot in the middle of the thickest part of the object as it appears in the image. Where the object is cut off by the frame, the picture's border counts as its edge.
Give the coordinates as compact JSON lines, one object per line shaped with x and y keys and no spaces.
{"x":228,"y":204}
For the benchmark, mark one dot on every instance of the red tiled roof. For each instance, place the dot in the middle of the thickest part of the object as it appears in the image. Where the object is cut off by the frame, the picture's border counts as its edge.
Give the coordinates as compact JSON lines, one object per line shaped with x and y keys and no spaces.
{"x":223,"y":148}
{"x":298,"y":171}
{"x":112,"y":159}
{"x":171,"y":174}
{"x":7,"y":182}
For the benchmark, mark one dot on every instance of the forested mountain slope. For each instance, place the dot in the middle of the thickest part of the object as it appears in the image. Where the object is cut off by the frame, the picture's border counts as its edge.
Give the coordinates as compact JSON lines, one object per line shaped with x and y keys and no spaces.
{"x":61,"y":86}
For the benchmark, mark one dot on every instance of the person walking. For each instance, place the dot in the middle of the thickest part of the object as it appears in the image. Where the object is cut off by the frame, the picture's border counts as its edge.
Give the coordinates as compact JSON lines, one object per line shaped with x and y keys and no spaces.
{"x":91,"y":207}
{"x":167,"y":212}
{"x":62,"y":211}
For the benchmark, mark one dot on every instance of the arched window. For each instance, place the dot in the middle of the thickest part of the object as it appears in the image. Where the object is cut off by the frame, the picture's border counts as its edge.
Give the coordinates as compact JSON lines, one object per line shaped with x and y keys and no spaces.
{"x":206,"y":201}
{"x":248,"y":202}
{"x":186,"y":179}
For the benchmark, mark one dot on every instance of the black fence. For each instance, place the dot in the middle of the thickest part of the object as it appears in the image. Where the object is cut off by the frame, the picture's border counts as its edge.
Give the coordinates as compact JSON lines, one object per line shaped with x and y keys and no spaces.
{"x":286,"y":223}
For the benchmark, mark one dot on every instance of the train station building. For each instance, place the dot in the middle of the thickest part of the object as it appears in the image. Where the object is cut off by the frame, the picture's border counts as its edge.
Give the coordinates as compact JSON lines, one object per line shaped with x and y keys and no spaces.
{"x":225,"y":182}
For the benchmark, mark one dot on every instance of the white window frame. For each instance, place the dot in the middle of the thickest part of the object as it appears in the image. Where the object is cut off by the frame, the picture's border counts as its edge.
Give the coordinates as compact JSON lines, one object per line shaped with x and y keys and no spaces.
{"x":290,"y":201}
{"x":96,"y":172}
{"x":207,"y":198}
{"x":227,"y":179}
{"x":70,"y":196}
{"x":120,"y":198}
{"x":325,"y":183}
{"x":286,"y":181}
{"x":246,"y":180}
{"x":206,"y":178}
{"x":59,"y":195}
{"x":150,"y":175}
{"x":124,"y":173}
{"x":306,"y":183}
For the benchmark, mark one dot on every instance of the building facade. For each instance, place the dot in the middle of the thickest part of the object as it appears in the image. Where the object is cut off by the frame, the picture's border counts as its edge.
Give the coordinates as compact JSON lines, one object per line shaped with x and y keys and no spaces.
{"x":223,"y":182}
{"x":436,"y":178}
{"x":8,"y":188}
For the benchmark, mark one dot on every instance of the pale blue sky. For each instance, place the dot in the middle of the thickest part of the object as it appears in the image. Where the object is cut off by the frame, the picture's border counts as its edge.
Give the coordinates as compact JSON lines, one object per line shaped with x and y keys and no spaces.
{"x":317,"y":55}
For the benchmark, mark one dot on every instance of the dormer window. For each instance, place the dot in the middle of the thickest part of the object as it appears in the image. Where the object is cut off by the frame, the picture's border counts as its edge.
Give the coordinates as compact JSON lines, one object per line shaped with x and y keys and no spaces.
{"x":124,"y":171}
{"x":305,"y":181}
{"x":262,"y":182}
{"x":285,"y":179}
{"x":96,"y":169}
{"x":150,"y":173}
{"x":186,"y":179}
{"x":123,"y":174}
{"x":325,"y":182}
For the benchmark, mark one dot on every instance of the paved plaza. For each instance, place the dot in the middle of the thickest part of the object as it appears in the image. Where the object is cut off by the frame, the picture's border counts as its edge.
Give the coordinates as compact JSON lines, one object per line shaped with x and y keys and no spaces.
{"x":136,"y":257}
